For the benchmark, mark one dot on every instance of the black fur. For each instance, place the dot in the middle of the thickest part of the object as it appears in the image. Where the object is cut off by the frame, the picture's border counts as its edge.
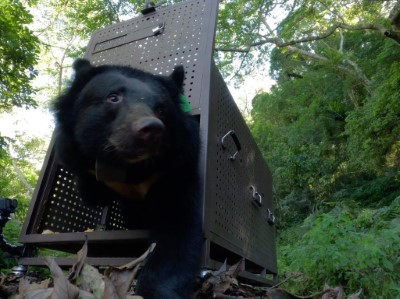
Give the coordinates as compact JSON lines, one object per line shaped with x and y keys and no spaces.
{"x":130,"y":122}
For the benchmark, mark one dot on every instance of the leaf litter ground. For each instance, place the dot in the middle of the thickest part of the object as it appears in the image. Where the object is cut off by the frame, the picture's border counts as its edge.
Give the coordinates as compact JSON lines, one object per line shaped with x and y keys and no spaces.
{"x":86,"y":282}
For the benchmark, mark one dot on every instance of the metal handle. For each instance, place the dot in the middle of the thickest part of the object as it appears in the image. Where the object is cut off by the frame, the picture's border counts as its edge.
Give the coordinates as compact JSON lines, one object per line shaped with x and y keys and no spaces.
{"x":235,"y":140}
{"x":257,"y":198}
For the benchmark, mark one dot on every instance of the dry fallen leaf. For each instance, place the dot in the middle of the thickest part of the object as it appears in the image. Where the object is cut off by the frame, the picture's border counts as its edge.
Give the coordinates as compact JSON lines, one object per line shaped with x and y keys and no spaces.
{"x":333,"y":293}
{"x":27,"y":290}
{"x":37,"y":294}
{"x":63,"y":289}
{"x":140,"y":259}
{"x":90,"y":283}
{"x":48,"y":232}
{"x":91,"y":280}
{"x":119,"y":280}
{"x":218,"y":282}
{"x":81,"y":257}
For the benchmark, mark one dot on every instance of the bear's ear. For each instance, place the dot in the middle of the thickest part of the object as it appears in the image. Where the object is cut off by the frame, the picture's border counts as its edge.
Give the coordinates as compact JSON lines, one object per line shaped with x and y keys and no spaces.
{"x":178,"y":75}
{"x":81,"y":65}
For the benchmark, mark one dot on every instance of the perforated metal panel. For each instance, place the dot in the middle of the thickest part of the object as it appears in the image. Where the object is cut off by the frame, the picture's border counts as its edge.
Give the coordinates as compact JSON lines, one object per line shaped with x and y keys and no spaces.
{"x":235,"y":226}
{"x":235,"y":220}
{"x":64,"y":211}
{"x":184,"y":30}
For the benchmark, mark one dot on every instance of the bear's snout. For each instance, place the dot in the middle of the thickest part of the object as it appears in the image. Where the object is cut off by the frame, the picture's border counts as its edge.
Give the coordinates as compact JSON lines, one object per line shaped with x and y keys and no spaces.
{"x":147,"y":131}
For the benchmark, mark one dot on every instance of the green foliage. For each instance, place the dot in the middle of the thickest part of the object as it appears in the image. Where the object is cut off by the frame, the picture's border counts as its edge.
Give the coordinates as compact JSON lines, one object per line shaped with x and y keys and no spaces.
{"x":373,"y":129}
{"x":378,"y":192}
{"x":239,"y":25}
{"x":11,"y":234}
{"x":325,"y":133}
{"x":18,"y":175}
{"x":18,"y":55}
{"x":299,"y":127}
{"x":353,"y":247}
{"x":6,"y":262}
{"x":18,"y":172}
{"x":12,"y":230}
{"x":249,"y":30}
{"x":329,"y":130}
{"x":83,"y":17}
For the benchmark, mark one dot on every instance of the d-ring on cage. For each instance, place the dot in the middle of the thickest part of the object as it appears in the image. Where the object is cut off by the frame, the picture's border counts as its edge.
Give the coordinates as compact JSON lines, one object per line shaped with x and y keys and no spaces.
{"x":237,"y":201}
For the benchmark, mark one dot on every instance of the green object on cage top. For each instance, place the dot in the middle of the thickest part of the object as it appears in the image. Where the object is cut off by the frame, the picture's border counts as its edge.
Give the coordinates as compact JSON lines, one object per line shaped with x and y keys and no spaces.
{"x":185,"y":105}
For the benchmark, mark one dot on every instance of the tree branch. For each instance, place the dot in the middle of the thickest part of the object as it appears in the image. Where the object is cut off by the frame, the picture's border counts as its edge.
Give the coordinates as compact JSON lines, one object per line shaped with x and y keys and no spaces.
{"x":289,"y":45}
{"x":341,"y":41}
{"x":331,"y":30}
{"x":395,"y":35}
{"x":314,"y":56}
{"x":246,"y":50}
{"x":359,"y":72}
{"x":306,"y":54}
{"x":232,"y":50}
{"x":19,"y":173}
{"x":394,"y":15}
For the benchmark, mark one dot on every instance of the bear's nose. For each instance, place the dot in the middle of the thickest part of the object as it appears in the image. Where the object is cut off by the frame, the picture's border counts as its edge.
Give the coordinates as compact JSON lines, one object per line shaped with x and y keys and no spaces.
{"x":148,"y":130}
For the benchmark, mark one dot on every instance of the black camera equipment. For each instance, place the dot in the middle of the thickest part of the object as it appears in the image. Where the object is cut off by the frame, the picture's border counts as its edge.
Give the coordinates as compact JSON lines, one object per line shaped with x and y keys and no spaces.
{"x":7,"y":207}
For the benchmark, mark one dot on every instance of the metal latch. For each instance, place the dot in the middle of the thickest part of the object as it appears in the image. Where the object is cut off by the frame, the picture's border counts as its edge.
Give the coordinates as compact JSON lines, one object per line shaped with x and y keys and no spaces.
{"x":257,"y":198}
{"x":270,"y":217}
{"x":128,"y":37}
{"x":159,"y":29}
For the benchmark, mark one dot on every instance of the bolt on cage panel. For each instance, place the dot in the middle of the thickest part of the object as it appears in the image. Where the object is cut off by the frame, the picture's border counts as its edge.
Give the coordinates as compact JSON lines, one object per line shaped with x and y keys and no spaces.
{"x":237,"y":185}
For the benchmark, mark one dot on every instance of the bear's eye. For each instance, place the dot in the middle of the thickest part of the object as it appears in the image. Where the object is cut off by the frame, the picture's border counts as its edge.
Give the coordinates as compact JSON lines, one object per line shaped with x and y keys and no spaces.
{"x":114,"y":98}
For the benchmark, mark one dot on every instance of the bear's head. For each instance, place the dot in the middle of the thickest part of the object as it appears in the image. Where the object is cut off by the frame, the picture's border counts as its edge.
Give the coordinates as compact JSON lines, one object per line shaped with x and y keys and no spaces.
{"x":118,"y":115}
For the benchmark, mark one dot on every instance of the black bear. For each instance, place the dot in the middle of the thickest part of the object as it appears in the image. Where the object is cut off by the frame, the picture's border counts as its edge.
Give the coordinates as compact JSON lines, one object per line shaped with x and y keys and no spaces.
{"x":123,"y":133}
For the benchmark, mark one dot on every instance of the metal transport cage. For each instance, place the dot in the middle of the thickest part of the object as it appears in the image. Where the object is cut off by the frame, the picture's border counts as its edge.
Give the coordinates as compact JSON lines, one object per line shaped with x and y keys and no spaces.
{"x":237,"y":185}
